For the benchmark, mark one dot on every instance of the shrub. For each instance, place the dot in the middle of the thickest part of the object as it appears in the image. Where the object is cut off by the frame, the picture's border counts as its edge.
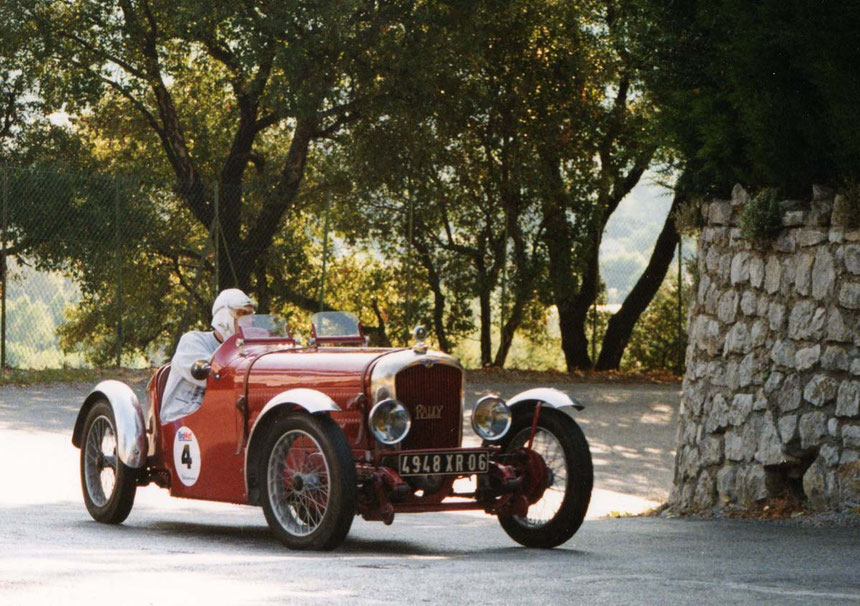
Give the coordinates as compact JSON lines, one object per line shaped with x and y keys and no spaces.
{"x":761,"y":219}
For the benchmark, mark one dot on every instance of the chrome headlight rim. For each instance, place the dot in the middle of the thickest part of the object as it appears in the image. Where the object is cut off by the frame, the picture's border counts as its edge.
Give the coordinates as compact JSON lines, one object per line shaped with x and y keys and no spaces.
{"x":480,"y":431}
{"x":378,"y":409}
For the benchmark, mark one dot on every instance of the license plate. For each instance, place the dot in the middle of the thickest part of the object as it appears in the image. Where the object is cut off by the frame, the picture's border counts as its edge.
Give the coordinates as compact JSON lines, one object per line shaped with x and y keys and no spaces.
{"x":456,"y":462}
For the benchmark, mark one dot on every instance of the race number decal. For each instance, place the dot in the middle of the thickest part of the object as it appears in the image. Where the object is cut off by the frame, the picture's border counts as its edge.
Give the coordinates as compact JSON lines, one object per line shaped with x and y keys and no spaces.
{"x":186,"y":456}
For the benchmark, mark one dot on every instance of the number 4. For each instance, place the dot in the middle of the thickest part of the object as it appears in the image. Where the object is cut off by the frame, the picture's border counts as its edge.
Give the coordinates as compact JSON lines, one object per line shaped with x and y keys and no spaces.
{"x":186,"y":456}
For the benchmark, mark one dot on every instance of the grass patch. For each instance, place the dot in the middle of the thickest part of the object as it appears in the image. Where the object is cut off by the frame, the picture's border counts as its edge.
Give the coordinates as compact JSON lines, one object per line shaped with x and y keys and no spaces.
{"x":71,"y":375}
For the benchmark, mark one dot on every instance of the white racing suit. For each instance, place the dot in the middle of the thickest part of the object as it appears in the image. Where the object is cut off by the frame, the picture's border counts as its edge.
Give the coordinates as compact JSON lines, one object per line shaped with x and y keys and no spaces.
{"x":183,"y":394}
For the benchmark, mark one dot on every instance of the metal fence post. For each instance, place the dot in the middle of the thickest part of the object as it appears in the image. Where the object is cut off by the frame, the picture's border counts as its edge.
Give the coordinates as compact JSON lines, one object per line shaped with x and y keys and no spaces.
{"x":325,"y":253}
{"x":3,"y":267}
{"x":680,"y":311}
{"x":411,"y":221}
{"x":217,"y":239}
{"x":118,"y":272}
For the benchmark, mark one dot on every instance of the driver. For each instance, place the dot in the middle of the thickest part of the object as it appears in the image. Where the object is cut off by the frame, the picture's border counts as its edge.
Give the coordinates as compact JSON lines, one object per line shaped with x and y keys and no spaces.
{"x":183,"y":394}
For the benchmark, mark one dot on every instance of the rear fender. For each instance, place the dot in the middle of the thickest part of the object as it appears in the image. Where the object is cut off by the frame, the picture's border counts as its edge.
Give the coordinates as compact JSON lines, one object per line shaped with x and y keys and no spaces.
{"x":301,"y":399}
{"x":547,"y":396}
{"x":131,"y":442}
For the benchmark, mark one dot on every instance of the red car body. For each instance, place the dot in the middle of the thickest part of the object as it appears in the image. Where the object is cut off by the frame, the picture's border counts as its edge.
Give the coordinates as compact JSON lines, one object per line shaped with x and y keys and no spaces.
{"x":257,"y":382}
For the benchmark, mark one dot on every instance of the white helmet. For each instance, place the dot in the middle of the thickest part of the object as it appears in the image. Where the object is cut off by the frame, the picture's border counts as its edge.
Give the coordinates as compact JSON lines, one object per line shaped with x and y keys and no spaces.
{"x":224,"y":310}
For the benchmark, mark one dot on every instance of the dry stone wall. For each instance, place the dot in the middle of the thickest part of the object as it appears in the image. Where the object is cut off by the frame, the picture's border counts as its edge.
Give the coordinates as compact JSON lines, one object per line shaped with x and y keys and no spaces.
{"x":770,"y":400}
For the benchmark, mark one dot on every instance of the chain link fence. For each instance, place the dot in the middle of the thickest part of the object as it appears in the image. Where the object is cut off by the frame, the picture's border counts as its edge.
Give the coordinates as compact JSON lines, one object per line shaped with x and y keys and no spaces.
{"x":107,"y":270}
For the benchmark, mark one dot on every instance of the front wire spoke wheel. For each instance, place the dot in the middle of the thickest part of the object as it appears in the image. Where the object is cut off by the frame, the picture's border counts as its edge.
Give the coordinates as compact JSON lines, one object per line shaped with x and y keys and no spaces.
{"x":558,"y":513}
{"x":108,"y":485}
{"x":550,"y":449}
{"x":310,"y":484}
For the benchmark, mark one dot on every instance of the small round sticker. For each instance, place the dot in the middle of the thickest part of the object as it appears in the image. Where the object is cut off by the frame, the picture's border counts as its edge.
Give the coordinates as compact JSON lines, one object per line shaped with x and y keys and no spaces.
{"x":186,"y":456}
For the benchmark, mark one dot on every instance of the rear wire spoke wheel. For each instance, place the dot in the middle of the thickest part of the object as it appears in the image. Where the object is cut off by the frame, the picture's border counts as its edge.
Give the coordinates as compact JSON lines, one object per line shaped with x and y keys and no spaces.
{"x":559,"y":513}
{"x":109,"y":486}
{"x":309,"y":487}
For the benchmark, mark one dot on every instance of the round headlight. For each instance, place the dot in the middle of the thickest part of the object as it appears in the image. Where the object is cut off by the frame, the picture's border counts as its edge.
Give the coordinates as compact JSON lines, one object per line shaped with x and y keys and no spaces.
{"x":389,"y":421}
{"x":491,"y":418}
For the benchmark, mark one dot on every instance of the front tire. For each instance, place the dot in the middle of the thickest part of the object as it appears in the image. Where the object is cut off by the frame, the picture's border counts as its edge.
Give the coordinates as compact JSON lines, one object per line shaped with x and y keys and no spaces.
{"x":108,"y":484}
{"x":559,"y":513}
{"x":309,"y":482}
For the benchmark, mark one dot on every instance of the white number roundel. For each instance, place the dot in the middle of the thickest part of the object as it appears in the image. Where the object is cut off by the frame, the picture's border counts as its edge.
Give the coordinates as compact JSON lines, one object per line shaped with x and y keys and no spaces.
{"x":186,"y":456}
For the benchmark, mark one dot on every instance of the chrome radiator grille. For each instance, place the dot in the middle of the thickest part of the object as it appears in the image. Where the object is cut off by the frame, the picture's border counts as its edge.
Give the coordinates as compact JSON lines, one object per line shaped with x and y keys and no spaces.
{"x":432,"y":395}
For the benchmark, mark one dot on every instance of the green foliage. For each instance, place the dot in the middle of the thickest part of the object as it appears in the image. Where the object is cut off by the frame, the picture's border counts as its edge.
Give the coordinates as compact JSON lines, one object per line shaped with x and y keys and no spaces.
{"x":761,"y":218}
{"x":654,"y":344}
{"x":688,"y":217}
{"x":762,"y":92}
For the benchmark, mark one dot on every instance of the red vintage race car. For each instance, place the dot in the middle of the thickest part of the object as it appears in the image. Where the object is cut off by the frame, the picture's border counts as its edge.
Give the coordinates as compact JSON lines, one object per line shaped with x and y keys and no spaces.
{"x":319,"y":433}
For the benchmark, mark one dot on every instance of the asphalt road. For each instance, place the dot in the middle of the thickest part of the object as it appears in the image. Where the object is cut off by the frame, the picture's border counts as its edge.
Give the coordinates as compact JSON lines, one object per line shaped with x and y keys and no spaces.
{"x":173,"y":551}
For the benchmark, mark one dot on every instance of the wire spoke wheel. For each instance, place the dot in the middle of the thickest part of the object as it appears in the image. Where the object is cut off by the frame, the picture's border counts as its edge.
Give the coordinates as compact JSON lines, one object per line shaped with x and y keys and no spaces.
{"x":100,"y":469}
{"x":309,"y":488}
{"x":550,"y":449}
{"x":298,"y":481}
{"x":108,"y":485}
{"x":558,"y":513}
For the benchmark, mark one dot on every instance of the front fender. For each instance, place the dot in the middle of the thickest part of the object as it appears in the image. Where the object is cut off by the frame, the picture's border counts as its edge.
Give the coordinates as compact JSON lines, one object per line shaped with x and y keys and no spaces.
{"x":548,"y":396}
{"x":131,"y":442}
{"x":309,"y":400}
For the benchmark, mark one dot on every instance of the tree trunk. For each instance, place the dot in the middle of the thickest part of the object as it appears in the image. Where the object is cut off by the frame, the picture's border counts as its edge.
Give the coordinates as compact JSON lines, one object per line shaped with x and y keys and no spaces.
{"x":622,"y":323}
{"x":435,"y":283}
{"x":486,"y":327}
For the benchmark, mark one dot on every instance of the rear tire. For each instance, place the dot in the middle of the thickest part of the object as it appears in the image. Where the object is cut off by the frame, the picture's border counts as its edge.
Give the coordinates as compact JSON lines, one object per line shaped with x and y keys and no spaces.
{"x":308,"y":482}
{"x":559,"y":513}
{"x":108,"y":484}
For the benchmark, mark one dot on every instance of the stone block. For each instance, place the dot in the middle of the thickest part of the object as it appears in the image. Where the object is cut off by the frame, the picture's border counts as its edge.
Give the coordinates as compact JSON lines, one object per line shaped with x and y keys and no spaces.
{"x":849,"y":483}
{"x":740,"y":196}
{"x":849,"y":295}
{"x":851,"y":437}
{"x":811,"y":236}
{"x":726,"y":484}
{"x":843,"y":214}
{"x":758,"y":333}
{"x":829,"y":454}
{"x":756,"y":271}
{"x":705,"y":495}
{"x":789,"y":395}
{"x":774,"y":380}
{"x":712,"y":450}
{"x":738,"y":339}
{"x":820,"y":390}
{"x":835,"y":357}
{"x":807,"y":357}
{"x":768,"y":445}
{"x":749,"y":303}
{"x":740,"y":270}
{"x":720,"y":213}
{"x":794,"y":218}
{"x":787,"y":428}
{"x":776,"y":316}
{"x":718,"y":415}
{"x":835,"y":329}
{"x":734,"y":445}
{"x":772,"y":275}
{"x":815,"y":484}
{"x":848,"y":399}
{"x":802,"y":271}
{"x":783,"y":353}
{"x":820,"y":193}
{"x":786,"y":241}
{"x":813,"y":428}
{"x":740,"y":408}
{"x":728,"y":308}
{"x":806,"y":321}
{"x":823,"y":275}
{"x":751,"y":484}
{"x":832,"y":427}
{"x":851,"y":258}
